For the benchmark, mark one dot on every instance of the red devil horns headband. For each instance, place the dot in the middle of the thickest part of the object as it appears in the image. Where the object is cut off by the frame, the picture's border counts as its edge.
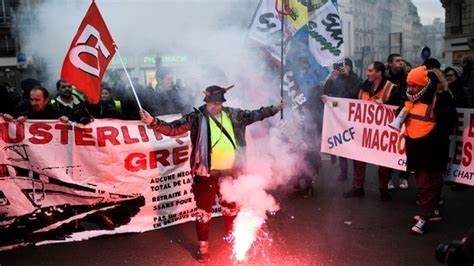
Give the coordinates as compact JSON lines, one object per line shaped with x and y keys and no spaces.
{"x":224,"y":90}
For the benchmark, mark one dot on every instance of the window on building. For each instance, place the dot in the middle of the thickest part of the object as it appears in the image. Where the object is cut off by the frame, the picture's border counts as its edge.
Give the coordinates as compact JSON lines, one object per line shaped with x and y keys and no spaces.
{"x":456,"y":18}
{"x":7,"y":45}
{"x":5,"y":12}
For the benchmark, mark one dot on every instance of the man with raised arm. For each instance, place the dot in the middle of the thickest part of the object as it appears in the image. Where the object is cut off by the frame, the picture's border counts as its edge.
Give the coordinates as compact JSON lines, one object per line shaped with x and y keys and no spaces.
{"x":218,"y":151}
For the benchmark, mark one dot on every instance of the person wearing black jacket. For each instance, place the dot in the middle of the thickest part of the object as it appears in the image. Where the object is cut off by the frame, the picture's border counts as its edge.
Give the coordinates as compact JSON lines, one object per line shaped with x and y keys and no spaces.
{"x":108,"y":107}
{"x":467,"y":64}
{"x":218,"y":151}
{"x":453,"y":75}
{"x":396,"y":74}
{"x":462,"y":98}
{"x":39,"y":108}
{"x":342,"y":83}
{"x":66,"y":102}
{"x":431,"y":118}
{"x":395,"y":71}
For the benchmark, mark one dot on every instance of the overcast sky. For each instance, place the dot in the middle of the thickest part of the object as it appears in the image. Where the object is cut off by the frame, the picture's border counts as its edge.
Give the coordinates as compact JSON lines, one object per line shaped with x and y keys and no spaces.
{"x":428,"y":10}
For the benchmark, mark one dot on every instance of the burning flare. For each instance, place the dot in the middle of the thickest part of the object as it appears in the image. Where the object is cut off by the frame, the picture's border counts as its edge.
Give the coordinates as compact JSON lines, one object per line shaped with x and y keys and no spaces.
{"x":249,"y":192}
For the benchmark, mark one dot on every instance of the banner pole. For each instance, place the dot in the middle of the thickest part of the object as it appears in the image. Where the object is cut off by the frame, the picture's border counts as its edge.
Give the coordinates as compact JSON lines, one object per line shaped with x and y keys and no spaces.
{"x":129,"y":79}
{"x":285,"y":11}
{"x":282,"y":71}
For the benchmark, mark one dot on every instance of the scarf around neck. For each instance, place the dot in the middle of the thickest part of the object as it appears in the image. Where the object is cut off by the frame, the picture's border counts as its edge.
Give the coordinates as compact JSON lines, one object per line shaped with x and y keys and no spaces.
{"x":415,"y":97}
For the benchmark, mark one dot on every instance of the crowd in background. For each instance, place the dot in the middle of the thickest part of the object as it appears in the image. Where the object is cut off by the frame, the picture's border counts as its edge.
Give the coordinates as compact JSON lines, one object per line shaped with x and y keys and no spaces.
{"x":33,"y":101}
{"x":166,"y":97}
{"x":117,"y":101}
{"x":345,"y":83}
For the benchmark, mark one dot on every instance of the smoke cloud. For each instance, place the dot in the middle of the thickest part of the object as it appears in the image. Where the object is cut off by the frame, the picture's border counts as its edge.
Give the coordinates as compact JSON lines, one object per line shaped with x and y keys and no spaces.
{"x":212,"y":34}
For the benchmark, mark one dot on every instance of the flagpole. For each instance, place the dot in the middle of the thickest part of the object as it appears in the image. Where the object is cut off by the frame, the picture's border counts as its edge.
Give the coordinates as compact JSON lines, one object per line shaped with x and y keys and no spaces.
{"x":128,"y":76}
{"x":282,"y":72}
{"x":285,"y":9}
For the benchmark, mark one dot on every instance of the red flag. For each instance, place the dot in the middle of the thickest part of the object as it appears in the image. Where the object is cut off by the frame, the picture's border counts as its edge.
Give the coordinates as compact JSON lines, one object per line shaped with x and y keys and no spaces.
{"x":89,"y":55}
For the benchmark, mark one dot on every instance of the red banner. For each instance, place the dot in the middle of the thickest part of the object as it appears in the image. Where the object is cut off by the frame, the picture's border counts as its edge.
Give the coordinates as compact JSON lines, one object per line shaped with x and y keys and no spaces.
{"x":89,"y":55}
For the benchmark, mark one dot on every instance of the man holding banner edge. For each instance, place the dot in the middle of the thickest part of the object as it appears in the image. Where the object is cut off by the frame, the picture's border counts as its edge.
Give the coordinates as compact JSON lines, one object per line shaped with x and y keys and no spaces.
{"x":375,"y":88}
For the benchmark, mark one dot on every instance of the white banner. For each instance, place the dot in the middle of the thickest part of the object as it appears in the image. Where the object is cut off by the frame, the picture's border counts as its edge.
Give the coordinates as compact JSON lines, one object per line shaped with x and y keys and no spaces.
{"x":266,"y":27}
{"x":461,"y":168}
{"x":359,"y":130}
{"x":63,"y":183}
{"x":325,"y":35}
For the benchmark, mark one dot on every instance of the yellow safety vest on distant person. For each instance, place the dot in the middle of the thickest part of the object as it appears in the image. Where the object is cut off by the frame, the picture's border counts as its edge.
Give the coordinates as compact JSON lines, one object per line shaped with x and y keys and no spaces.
{"x":118,"y":105}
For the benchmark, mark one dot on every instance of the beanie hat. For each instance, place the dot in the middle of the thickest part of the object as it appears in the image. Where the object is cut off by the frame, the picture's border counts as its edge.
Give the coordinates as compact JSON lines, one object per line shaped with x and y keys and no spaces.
{"x":457,"y":70}
{"x":215,"y":94}
{"x":418,"y":76}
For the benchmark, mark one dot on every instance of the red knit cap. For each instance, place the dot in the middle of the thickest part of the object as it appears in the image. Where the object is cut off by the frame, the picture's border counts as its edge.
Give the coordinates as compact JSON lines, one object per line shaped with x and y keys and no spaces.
{"x":418,"y":76}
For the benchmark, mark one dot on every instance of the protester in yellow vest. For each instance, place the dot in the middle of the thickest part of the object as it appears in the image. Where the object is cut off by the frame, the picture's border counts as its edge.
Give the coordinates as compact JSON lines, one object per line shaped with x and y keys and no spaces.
{"x":109,"y":106}
{"x":431,"y":119}
{"x":218,"y":147}
{"x":376,"y":88}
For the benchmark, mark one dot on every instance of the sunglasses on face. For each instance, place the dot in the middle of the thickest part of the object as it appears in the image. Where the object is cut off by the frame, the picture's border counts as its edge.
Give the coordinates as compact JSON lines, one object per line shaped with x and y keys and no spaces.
{"x":66,"y":86}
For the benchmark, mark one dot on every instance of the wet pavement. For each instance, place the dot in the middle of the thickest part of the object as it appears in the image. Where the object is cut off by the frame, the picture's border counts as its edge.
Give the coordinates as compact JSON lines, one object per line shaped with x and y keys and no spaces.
{"x":324,"y":230}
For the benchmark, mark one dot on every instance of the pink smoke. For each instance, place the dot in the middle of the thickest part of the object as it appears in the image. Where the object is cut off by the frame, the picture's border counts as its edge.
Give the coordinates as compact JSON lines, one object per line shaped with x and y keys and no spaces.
{"x":250,"y":193}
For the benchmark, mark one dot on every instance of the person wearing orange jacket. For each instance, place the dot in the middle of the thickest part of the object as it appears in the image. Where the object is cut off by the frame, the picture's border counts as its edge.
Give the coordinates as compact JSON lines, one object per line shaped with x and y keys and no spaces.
{"x":431,"y":118}
{"x":376,"y":88}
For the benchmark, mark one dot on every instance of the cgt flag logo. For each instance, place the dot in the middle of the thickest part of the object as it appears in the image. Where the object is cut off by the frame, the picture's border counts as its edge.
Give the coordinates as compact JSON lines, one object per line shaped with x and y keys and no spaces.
{"x":89,"y":55}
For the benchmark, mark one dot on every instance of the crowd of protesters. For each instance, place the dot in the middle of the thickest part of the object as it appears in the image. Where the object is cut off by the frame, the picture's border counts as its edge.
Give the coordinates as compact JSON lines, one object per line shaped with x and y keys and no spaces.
{"x":116,"y":102}
{"x":430,"y":97}
{"x":390,"y":83}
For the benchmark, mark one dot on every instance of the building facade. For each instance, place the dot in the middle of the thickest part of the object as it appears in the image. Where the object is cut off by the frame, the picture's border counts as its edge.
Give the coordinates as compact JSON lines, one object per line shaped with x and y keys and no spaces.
{"x":433,"y":37}
{"x":459,"y":35}
{"x":14,"y":64}
{"x":8,"y":45}
{"x":373,"y":29}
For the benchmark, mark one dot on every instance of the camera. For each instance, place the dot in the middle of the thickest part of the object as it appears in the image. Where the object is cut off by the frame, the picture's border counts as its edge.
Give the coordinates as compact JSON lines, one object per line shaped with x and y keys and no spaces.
{"x":457,"y":252}
{"x":338,"y":66}
{"x":452,"y":253}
